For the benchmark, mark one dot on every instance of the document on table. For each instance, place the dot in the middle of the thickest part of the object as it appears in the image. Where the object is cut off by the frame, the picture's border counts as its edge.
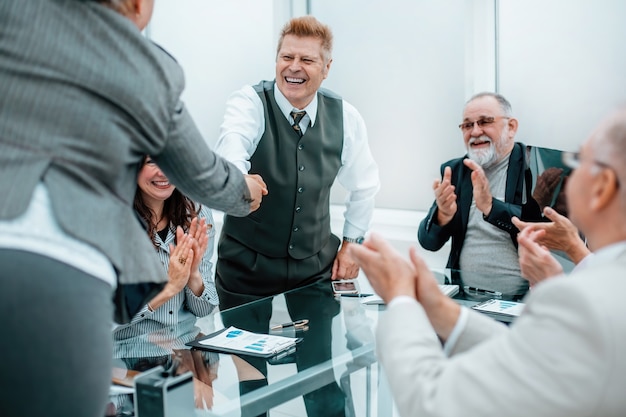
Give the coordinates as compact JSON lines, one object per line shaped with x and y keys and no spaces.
{"x":449,"y":290}
{"x":238,"y":341}
{"x":500,"y":309}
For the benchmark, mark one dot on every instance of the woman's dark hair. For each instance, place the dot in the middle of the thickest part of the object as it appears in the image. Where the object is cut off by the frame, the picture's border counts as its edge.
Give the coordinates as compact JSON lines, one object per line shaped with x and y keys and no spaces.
{"x":178,"y":209}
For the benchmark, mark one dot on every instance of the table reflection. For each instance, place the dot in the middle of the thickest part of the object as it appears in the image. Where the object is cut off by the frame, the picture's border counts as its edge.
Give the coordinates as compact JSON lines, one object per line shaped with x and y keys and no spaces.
{"x":315,"y":303}
{"x":338,"y":341}
{"x":167,"y":349}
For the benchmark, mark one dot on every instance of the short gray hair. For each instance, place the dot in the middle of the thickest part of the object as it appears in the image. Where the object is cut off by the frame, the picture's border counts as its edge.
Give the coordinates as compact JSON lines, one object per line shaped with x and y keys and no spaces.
{"x":504,"y":103}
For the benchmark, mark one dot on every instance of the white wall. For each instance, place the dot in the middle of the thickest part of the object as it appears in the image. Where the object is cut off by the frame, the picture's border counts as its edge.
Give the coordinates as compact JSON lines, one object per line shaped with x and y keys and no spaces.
{"x":221,"y":46}
{"x":409,"y":66}
{"x":562,"y":66}
{"x":402,"y":64}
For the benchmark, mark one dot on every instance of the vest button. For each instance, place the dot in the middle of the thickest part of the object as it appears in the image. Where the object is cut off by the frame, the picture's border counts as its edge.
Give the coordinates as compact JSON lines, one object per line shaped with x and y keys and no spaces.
{"x":300,"y":189}
{"x":300,"y":147}
{"x":298,"y":209}
{"x":301,"y":168}
{"x":290,"y":247}
{"x":295,"y":229}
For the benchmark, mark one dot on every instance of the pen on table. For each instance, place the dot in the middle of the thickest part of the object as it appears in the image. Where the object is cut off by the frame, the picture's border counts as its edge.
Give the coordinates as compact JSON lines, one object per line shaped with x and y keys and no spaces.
{"x":356,"y":295}
{"x":297,"y":324}
{"x":482,"y":291}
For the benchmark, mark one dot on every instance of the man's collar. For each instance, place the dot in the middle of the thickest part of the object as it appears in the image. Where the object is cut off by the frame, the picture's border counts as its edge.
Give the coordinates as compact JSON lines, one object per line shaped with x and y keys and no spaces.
{"x":609,"y":252}
{"x":286,"y":107}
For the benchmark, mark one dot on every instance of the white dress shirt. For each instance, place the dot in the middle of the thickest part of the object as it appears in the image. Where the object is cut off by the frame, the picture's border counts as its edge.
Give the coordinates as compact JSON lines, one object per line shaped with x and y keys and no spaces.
{"x":38,"y":231}
{"x":244,"y":125}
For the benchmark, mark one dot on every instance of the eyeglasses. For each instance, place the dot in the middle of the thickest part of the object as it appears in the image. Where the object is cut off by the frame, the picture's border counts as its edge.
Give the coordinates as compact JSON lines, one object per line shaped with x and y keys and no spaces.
{"x":572,"y":160}
{"x":482,"y":123}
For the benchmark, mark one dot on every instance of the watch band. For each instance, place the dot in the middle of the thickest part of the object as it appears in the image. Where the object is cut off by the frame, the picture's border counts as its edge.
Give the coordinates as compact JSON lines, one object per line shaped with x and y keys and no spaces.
{"x":357,"y":240}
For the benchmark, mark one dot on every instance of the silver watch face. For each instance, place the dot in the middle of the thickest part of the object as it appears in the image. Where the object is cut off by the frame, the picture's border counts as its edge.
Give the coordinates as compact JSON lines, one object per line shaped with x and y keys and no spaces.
{"x":358,"y":240}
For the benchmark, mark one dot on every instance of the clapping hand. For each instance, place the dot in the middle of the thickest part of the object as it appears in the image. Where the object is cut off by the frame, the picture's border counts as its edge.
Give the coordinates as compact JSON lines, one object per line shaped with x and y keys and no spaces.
{"x":199,"y":231}
{"x":391,"y":276}
{"x":181,"y":259}
{"x":445,"y":198}
{"x":536,"y":261}
{"x":480,"y":185}
{"x":559,"y":234}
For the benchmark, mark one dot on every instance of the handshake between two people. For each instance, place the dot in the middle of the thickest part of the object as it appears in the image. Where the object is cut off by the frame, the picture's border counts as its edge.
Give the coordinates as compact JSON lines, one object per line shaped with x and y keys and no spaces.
{"x":257,"y":188}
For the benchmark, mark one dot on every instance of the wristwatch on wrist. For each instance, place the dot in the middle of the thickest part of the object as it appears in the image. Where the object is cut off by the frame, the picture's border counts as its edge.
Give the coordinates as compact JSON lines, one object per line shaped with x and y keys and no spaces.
{"x":357,"y":240}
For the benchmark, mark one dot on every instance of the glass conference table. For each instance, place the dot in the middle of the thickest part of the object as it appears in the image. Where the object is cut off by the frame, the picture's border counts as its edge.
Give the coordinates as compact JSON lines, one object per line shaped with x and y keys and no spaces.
{"x":334,"y":368}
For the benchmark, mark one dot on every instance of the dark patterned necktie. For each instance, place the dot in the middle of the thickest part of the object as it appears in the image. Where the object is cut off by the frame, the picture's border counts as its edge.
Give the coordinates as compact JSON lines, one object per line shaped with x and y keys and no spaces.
{"x":297,"y":116}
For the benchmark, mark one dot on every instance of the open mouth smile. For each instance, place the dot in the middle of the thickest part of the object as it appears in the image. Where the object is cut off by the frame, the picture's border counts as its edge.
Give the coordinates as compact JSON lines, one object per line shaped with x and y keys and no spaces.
{"x":161,"y":184}
{"x":292,"y":80}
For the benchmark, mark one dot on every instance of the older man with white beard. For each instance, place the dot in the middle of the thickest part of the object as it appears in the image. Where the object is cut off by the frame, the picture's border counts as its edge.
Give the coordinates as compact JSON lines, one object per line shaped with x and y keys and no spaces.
{"x":477,"y":197}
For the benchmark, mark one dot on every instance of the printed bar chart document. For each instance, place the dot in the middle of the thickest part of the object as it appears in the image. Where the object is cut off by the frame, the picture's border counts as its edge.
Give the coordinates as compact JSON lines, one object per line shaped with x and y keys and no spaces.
{"x":238,"y":341}
{"x":500,"y":310}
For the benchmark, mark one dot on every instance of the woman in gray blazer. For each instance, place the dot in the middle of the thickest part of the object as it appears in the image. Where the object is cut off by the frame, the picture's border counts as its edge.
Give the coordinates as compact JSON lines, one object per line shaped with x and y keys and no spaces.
{"x":83,"y":97}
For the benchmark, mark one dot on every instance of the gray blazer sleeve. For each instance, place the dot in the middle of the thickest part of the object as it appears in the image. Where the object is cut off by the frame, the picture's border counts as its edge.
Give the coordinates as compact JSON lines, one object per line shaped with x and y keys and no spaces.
{"x":199,"y":172}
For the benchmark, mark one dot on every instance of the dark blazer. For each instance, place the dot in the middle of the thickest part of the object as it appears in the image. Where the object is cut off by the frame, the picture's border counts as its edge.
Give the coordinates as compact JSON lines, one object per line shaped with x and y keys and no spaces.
{"x":83,"y":97}
{"x":432,"y":236}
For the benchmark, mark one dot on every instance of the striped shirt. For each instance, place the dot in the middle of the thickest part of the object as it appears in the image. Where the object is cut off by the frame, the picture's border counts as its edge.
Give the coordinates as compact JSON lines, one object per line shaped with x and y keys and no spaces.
{"x":176,"y":316}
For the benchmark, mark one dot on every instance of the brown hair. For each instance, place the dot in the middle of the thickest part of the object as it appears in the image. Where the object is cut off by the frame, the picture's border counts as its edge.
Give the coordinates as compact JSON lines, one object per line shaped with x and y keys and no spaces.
{"x":309,"y":26}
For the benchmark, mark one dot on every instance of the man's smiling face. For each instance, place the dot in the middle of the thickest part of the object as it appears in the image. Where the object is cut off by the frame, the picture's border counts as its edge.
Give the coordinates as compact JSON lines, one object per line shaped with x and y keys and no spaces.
{"x":300,"y":69}
{"x":489,"y":143}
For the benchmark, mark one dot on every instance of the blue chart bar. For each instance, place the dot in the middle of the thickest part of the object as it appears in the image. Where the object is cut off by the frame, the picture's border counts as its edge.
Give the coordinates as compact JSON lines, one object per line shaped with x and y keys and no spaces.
{"x":253,"y":347}
{"x":258,"y":345}
{"x":506,"y":304}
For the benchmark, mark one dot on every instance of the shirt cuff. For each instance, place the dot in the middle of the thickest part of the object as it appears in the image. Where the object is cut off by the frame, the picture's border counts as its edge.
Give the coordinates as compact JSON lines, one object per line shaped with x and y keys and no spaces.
{"x":456,"y":332}
{"x":401,"y":299}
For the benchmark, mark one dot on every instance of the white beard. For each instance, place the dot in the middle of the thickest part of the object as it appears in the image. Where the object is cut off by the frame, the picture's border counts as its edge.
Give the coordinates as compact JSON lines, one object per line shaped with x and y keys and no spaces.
{"x":483,"y":157}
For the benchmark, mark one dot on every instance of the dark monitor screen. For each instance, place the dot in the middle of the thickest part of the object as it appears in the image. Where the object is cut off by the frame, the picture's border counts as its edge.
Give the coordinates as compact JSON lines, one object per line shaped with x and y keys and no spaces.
{"x":548,"y":176}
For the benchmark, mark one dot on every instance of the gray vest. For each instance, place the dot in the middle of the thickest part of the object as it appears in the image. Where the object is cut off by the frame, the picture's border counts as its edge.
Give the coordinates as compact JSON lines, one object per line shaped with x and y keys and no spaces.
{"x":294,"y":218}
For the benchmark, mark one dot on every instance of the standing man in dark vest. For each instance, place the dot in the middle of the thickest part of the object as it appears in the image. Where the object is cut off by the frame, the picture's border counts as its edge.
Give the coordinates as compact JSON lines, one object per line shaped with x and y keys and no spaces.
{"x":288,"y":243}
{"x":299,"y":138}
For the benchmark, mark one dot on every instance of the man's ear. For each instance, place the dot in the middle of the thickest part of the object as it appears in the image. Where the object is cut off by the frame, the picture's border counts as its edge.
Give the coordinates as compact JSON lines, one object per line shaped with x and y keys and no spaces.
{"x":139,"y":12}
{"x":604,"y":190}
{"x":513,"y":124}
{"x":327,"y":68}
{"x":136,"y":6}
